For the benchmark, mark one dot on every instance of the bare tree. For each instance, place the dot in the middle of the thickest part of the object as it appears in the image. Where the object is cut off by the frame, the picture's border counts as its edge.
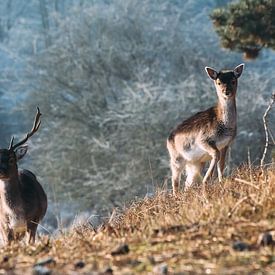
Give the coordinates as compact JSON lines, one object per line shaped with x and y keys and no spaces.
{"x":117,"y":75}
{"x":113,"y":85}
{"x":45,"y":22}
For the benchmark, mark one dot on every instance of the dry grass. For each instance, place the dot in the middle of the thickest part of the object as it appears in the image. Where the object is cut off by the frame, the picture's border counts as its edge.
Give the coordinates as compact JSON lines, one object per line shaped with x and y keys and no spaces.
{"x":191,"y":234}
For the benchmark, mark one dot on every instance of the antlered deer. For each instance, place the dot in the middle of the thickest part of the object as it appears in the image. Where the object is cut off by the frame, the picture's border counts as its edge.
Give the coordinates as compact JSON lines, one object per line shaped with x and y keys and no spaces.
{"x":206,"y":135}
{"x":23,"y":202}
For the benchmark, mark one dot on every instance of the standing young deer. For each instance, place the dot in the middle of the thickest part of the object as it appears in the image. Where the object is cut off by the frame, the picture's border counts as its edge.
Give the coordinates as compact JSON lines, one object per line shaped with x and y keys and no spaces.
{"x":23,"y":202}
{"x":206,"y":135}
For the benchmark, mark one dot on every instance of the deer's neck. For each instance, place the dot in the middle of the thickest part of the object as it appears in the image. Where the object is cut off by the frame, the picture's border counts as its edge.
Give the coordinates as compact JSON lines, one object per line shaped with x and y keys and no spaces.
{"x":10,"y":190}
{"x":227,"y":112}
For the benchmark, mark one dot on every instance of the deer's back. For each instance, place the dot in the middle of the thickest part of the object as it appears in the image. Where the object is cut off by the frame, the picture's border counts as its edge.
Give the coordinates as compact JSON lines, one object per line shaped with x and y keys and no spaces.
{"x":188,"y":137}
{"x":204,"y":120}
{"x":33,"y":196}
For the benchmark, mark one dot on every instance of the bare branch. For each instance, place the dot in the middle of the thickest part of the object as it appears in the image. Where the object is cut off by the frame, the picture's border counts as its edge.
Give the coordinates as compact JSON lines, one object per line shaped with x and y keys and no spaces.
{"x":266,"y":128}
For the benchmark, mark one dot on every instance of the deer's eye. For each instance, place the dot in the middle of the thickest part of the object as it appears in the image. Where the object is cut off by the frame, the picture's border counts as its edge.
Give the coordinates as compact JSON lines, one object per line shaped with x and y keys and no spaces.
{"x":219,"y":83}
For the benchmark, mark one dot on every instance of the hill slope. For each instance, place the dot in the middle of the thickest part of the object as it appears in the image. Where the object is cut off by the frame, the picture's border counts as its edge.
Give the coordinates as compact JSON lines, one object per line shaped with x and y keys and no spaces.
{"x":223,"y":229}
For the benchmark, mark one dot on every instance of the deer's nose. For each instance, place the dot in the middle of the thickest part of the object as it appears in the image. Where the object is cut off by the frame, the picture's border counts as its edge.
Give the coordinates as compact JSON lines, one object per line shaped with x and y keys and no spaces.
{"x":228,"y":92}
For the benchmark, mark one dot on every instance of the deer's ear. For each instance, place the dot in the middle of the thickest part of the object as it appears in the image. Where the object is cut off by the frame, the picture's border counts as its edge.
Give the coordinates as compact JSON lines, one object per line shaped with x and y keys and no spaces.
{"x":211,"y":73}
{"x":21,"y":151}
{"x":238,"y":70}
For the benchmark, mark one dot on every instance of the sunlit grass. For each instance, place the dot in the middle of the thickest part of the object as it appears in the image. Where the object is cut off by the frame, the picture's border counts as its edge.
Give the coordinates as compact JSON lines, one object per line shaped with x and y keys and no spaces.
{"x":192,"y":233}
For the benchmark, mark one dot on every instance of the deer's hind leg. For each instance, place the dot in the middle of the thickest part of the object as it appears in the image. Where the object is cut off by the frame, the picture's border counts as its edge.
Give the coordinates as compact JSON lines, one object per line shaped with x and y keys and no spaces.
{"x":193,"y":173}
{"x":177,"y":166}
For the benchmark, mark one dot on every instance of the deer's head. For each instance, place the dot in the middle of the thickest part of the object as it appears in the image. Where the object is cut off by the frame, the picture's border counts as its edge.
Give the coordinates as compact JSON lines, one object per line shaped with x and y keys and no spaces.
{"x":15,"y":152}
{"x":225,"y":81}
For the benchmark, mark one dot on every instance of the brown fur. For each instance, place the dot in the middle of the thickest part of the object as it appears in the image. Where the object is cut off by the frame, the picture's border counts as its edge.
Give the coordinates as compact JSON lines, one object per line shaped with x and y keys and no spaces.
{"x":206,"y":135}
{"x":23,"y":202}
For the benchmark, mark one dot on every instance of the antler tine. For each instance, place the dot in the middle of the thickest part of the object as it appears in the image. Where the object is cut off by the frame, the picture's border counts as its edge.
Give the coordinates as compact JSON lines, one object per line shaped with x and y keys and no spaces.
{"x":11,"y":143}
{"x":35,"y":127}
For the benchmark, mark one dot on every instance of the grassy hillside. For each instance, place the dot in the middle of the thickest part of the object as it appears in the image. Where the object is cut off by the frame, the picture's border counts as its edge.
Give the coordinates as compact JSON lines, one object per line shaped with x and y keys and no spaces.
{"x":224,"y":229}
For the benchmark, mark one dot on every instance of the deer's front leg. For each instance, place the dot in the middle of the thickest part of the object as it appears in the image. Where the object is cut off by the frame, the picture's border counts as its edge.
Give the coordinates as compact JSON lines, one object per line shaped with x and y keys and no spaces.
{"x":11,"y":236}
{"x":223,"y":156}
{"x":213,"y":151}
{"x":4,"y":237}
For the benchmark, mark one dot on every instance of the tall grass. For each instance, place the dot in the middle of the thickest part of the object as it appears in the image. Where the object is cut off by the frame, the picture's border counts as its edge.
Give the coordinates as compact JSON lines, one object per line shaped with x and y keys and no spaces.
{"x":218,"y":229}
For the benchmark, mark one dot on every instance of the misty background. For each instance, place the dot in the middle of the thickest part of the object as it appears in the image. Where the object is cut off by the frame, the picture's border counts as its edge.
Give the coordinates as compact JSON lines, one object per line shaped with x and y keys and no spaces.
{"x":112,"y":78}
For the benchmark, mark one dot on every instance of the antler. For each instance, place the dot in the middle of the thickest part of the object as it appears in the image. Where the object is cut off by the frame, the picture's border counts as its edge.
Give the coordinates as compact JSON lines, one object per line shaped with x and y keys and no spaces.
{"x":35,"y":127}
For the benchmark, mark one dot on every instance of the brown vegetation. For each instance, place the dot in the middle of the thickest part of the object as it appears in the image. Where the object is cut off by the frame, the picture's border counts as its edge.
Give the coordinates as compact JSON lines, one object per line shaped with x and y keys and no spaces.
{"x":225,"y":229}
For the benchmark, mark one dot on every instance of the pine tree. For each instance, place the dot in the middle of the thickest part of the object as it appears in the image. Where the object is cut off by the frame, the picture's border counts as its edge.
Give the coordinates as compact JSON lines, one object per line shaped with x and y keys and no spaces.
{"x":246,"y":26}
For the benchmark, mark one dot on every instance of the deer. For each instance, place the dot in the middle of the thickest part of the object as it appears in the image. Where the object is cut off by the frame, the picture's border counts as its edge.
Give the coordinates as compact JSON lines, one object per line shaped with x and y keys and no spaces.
{"x":23,"y":202}
{"x":207,"y":135}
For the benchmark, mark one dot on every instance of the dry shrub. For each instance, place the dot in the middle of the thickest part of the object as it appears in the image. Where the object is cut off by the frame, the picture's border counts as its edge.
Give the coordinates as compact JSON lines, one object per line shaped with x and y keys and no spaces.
{"x":248,"y":194}
{"x":204,"y":230}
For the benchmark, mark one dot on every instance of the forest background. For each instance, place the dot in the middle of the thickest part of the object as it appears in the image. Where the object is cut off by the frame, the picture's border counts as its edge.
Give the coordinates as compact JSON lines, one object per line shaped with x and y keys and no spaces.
{"x":112,"y":78}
